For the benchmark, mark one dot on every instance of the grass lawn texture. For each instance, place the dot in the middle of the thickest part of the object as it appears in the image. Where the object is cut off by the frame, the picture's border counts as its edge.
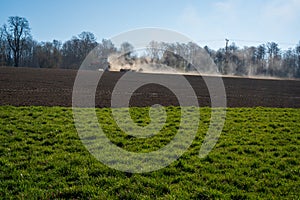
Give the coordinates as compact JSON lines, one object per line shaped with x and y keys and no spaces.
{"x":256,"y":157}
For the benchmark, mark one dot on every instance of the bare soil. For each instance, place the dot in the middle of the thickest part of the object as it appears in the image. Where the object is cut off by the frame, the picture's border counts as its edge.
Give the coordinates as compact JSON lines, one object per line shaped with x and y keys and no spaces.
{"x":54,"y":87}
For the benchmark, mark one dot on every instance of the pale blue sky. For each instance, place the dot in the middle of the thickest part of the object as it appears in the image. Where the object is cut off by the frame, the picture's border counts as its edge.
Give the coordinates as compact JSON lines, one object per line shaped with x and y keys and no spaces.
{"x":245,"y":22}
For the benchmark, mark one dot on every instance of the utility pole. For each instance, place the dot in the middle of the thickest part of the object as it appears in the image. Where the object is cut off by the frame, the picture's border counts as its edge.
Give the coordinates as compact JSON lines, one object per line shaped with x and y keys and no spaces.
{"x":226,"y":46}
{"x":225,"y":71}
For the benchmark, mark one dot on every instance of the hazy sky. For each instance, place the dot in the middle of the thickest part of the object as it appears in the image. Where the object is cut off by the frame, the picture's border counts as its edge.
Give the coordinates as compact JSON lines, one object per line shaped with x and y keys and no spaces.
{"x":208,"y":22}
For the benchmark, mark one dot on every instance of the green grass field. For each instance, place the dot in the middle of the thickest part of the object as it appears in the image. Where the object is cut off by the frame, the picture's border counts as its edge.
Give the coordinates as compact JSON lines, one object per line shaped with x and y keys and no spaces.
{"x":256,"y":157}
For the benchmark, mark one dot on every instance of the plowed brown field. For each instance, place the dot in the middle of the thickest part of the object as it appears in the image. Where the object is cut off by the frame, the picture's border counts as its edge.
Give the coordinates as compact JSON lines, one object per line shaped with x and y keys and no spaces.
{"x":53,"y":87}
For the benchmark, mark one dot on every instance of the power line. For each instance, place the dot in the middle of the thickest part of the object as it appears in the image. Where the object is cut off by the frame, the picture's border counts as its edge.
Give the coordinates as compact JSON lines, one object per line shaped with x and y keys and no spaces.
{"x":259,"y":41}
{"x":248,"y":41}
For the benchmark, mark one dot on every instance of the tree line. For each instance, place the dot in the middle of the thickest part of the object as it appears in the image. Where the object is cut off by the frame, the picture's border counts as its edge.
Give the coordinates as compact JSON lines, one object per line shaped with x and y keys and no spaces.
{"x":19,"y":49}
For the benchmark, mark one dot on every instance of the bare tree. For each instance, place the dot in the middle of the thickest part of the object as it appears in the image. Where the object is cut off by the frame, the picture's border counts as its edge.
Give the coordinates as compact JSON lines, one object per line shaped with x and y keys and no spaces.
{"x":288,"y":64}
{"x":87,"y":42}
{"x":5,"y":51}
{"x":16,"y":32}
{"x":75,"y":50}
{"x":155,"y":50}
{"x":274,"y":54}
{"x":48,"y":54}
{"x":260,"y":55}
{"x":297,"y":64}
{"x":126,"y":50}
